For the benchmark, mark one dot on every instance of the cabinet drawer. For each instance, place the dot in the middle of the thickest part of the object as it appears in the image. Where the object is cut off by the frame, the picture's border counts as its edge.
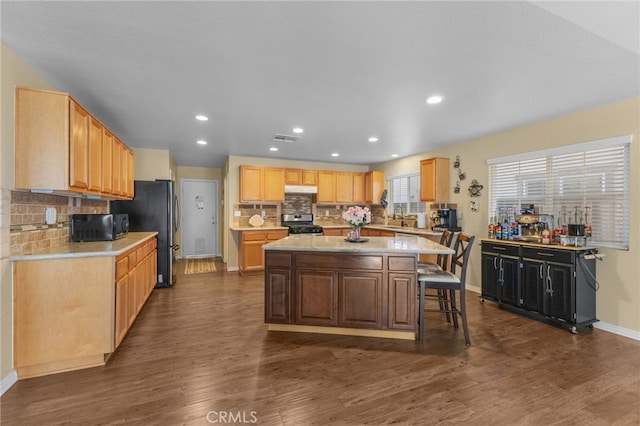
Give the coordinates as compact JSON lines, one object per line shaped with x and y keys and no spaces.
{"x":133,"y":258}
{"x":404,"y":263}
{"x":550,"y":255}
{"x":276,"y":235}
{"x":333,"y":262}
{"x":503,"y":249}
{"x":278,"y":259}
{"x":253,"y":236}
{"x":122,"y":267}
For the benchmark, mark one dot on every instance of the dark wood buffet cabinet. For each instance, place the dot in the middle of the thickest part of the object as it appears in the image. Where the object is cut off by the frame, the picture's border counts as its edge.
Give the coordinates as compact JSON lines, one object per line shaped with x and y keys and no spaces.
{"x":554,"y":284}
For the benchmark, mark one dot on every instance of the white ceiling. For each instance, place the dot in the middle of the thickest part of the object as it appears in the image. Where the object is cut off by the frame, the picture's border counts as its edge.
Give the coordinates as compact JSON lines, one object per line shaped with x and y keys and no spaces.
{"x":343,"y":71}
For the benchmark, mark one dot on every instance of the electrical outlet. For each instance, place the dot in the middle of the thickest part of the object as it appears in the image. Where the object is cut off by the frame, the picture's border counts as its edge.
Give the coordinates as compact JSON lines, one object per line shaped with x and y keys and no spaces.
{"x":326,"y":212}
{"x":50,"y":215}
{"x":264,"y":213}
{"x":237,"y":213}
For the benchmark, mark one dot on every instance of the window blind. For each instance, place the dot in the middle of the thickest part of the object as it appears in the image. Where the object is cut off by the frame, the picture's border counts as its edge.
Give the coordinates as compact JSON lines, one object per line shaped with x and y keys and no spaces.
{"x":404,"y":192}
{"x":583,"y":183}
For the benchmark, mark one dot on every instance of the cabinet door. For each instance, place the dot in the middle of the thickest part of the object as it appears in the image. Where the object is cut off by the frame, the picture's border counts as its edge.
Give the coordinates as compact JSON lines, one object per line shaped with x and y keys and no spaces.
{"x":273,"y":185}
{"x":374,"y":185}
{"x":490,"y":276}
{"x":326,"y":187}
{"x":359,"y":195}
{"x":559,"y":302}
{"x":95,"y":155}
{"x":316,"y":294}
{"x":344,"y":187}
{"x":533,"y":279}
{"x":107,"y":161}
{"x":510,"y":285}
{"x":309,"y":177}
{"x":277,"y":296}
{"x":115,"y":170}
{"x":434,"y":179}
{"x":124,"y":169}
{"x":79,"y":147}
{"x":360,"y":299}
{"x":132,"y":296}
{"x":130,"y":174}
{"x":293,"y":176}
{"x":402,"y":301}
{"x":122,"y":304}
{"x":251,"y":184}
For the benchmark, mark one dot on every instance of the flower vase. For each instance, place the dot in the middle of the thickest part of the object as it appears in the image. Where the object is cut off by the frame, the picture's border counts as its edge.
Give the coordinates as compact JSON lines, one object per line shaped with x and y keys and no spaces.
{"x":356,"y":233}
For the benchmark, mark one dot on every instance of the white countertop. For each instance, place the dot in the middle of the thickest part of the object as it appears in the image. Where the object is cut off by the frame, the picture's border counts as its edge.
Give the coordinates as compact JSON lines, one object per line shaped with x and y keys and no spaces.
{"x":90,"y":249}
{"x":403,"y":244}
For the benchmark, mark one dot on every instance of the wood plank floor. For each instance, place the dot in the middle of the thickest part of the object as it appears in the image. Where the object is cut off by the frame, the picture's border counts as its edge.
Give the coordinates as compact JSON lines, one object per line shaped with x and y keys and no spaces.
{"x":201,"y":349}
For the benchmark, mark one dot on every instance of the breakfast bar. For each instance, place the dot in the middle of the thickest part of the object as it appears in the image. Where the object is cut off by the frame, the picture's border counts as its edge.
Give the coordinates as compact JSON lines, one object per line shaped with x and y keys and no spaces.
{"x":323,"y":284}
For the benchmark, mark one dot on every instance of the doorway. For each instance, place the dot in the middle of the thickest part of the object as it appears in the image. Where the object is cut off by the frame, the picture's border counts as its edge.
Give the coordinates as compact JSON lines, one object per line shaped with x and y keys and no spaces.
{"x":199,"y":237}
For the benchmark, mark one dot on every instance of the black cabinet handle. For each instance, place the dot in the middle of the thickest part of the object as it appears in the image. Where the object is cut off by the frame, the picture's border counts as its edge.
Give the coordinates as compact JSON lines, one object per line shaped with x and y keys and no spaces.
{"x":545,"y":254}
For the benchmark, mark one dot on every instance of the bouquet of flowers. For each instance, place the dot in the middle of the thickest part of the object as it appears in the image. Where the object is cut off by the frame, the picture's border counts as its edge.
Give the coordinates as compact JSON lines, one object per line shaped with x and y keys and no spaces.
{"x":357,"y":216}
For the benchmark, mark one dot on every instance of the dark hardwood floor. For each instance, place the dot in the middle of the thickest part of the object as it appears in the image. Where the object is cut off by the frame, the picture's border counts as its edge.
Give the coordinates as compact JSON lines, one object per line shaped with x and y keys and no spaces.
{"x":200,"y":354}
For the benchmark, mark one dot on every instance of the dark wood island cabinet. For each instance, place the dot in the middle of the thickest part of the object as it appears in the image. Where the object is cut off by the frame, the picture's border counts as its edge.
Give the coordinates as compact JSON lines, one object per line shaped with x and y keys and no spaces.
{"x":327,"y":285}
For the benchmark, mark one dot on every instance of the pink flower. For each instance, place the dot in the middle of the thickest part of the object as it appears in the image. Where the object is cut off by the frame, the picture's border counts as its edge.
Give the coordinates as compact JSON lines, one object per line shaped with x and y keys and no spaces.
{"x":357,"y":216}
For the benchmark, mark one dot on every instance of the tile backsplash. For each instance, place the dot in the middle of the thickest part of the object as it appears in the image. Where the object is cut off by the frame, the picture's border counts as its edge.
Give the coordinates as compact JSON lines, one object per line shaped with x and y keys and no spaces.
{"x":29,"y":234}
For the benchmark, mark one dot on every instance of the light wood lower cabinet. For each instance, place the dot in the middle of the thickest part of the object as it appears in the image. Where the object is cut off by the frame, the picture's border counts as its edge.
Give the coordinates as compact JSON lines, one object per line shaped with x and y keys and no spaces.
{"x":251,"y":253}
{"x":71,"y":313}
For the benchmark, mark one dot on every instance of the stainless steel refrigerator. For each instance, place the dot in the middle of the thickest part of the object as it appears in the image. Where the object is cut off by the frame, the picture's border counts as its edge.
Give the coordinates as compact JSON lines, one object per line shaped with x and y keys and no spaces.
{"x":155,"y":208}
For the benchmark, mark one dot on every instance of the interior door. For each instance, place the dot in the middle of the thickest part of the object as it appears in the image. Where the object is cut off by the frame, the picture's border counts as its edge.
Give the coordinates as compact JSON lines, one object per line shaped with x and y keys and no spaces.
{"x":199,"y":218}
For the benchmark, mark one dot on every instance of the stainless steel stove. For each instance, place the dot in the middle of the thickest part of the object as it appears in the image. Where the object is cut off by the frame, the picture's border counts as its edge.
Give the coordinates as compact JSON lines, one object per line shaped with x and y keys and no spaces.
{"x":301,"y":223}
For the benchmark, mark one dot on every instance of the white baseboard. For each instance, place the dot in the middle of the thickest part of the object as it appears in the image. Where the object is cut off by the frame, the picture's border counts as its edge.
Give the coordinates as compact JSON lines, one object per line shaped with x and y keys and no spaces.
{"x":621,"y":331}
{"x":232,"y":268}
{"x":8,"y":381}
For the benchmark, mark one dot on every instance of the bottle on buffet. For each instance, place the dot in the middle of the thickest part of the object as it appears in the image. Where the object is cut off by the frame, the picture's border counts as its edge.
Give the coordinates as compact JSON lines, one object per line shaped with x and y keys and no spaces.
{"x":588,"y":231}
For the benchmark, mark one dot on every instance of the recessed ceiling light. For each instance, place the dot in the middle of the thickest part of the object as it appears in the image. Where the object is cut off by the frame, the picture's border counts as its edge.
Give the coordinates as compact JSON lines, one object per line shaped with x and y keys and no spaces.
{"x":373,"y":139}
{"x":201,"y":117}
{"x":273,"y":148}
{"x":201,"y":142}
{"x":436,"y":99}
{"x":298,"y":130}
{"x":335,"y":154}
{"x":394,"y":155}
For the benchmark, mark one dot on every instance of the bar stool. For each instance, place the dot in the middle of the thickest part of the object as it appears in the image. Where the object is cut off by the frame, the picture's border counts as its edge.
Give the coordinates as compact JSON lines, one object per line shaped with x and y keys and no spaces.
{"x":442,"y":262}
{"x":448,"y":281}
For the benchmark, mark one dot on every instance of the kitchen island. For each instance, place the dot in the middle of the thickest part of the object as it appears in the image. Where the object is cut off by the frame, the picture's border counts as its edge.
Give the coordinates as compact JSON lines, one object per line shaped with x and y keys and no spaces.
{"x":329,"y":285}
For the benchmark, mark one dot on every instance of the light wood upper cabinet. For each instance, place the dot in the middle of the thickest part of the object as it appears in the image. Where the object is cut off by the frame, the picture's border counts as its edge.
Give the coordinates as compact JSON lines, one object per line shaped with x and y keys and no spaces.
{"x":374,"y":186}
{"x":326,"y":187}
{"x":130,"y":173}
{"x":107,"y":162}
{"x":293,"y":176}
{"x":58,"y":145}
{"x":79,"y":147}
{"x":95,"y":155}
{"x":434,"y":179}
{"x":261,"y":184}
{"x":344,"y":187}
{"x":359,"y":193}
{"x":309,"y":177}
{"x":274,"y":184}
{"x":116,"y":161}
{"x":251,"y":178}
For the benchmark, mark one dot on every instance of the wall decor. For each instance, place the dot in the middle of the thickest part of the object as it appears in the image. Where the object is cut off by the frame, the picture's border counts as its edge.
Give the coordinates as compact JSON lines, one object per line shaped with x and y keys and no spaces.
{"x":475,"y":188}
{"x":474,"y":205}
{"x":461,"y":175}
{"x":456,"y":164}
{"x":456,"y":189}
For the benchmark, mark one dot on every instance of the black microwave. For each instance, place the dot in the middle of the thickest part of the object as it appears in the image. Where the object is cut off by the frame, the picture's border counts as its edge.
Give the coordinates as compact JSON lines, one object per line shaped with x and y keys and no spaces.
{"x":99,"y":227}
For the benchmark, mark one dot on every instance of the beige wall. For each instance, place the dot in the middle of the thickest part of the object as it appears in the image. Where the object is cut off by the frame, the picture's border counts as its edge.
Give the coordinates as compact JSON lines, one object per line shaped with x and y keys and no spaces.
{"x":232,"y":190}
{"x":618,"y":300}
{"x":204,"y":173}
{"x":152,"y":164}
{"x":14,"y":72}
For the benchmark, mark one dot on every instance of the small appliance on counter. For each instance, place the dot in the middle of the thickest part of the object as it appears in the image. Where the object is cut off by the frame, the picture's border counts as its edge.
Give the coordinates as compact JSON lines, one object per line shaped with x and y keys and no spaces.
{"x":301,"y":223}
{"x":98,"y":227}
{"x":445,"y":219}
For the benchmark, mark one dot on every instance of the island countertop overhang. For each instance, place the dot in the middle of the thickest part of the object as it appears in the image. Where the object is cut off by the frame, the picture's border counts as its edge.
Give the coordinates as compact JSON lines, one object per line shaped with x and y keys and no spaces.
{"x":397,"y":244}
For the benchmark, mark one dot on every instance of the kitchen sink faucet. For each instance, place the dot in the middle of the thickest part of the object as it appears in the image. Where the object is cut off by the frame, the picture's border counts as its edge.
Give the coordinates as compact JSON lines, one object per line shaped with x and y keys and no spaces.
{"x":401,"y":215}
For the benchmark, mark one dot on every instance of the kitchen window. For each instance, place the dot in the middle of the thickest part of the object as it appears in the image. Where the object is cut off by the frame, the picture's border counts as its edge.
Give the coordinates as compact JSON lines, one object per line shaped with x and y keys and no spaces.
{"x":404,"y":192}
{"x":581,"y":183}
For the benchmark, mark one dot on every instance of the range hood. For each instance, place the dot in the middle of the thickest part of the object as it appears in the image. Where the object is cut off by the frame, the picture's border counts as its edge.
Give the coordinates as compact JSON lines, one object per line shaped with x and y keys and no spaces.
{"x":300,"y":189}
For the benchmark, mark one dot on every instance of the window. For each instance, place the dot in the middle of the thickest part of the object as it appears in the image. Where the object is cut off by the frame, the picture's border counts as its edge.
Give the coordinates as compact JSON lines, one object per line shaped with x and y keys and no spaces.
{"x":582,"y":183}
{"x":404,"y":192}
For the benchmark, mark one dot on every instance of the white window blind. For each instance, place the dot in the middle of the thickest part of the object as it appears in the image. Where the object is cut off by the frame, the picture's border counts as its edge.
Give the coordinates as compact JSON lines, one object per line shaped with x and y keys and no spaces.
{"x":576,"y":184}
{"x":404,"y":192}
